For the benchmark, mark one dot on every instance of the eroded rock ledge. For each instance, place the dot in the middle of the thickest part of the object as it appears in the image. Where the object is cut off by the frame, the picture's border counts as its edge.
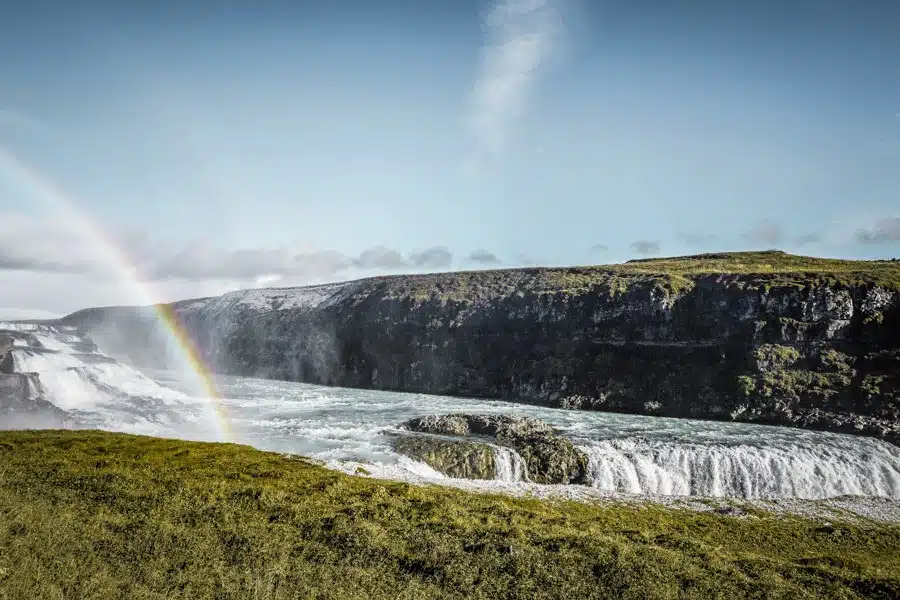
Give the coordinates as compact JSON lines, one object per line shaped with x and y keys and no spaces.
{"x":469,"y":449}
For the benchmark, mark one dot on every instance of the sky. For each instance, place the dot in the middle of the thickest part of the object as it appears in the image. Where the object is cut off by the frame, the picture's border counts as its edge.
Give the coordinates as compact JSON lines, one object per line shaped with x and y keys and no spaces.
{"x":200,"y":147}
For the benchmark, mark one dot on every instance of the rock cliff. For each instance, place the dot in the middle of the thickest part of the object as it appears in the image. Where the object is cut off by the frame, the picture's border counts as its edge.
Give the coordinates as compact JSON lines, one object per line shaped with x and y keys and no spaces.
{"x":765,"y":337}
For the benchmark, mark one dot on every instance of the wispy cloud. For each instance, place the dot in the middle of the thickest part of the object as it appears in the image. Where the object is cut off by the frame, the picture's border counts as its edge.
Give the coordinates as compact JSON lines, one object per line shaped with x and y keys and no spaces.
{"x":519,"y":36}
{"x":645,"y":247}
{"x":598,"y":248}
{"x":484,"y":257}
{"x":884,"y":230}
{"x":380,"y":257}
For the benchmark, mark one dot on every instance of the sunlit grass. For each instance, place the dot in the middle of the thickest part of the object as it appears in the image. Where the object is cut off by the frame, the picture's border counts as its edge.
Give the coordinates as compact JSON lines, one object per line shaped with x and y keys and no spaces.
{"x":101,"y":515}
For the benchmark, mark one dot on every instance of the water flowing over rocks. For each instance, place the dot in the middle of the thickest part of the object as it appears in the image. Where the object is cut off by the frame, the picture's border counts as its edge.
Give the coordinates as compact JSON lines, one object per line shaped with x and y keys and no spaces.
{"x":54,"y":376}
{"x":757,"y":337}
{"x":20,"y":401}
{"x":545,"y":457}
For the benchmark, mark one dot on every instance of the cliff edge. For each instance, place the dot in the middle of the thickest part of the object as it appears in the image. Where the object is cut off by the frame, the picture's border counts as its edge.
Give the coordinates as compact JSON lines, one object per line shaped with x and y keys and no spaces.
{"x":757,"y":336}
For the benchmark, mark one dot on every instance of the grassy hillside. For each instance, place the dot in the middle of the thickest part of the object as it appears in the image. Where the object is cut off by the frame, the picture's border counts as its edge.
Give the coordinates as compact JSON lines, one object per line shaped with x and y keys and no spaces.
{"x":748,"y":269}
{"x":99,"y":515}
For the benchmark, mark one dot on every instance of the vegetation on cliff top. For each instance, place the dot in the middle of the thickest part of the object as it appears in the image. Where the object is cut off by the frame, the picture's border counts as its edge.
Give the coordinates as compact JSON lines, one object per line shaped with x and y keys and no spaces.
{"x":766,"y":269}
{"x":102,"y":515}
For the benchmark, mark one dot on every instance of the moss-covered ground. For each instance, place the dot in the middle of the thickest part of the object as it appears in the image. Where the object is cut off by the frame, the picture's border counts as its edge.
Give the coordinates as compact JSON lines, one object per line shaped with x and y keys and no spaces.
{"x":752,"y":270}
{"x":90,"y":515}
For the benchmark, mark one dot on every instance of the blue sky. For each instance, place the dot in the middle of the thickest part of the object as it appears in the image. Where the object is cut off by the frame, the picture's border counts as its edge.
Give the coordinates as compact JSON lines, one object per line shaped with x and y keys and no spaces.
{"x":539,"y":132}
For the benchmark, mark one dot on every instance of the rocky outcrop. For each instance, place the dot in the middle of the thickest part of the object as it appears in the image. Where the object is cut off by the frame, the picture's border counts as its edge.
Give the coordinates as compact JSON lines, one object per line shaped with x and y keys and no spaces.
{"x":461,"y":459}
{"x":763,"y":337}
{"x":547,"y":457}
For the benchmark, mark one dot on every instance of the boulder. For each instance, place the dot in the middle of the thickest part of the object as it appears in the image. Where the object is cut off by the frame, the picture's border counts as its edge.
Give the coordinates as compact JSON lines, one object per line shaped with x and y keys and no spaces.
{"x":548,"y":458}
{"x":455,"y":458}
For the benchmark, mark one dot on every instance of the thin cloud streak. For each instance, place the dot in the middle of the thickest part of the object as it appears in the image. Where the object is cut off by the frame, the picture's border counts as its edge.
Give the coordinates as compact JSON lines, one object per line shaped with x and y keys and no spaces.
{"x":519,"y":38}
{"x":484,"y":257}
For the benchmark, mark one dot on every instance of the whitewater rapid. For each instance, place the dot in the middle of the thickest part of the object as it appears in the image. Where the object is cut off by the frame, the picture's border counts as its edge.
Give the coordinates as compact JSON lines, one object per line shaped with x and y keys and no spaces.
{"x":626,"y":454}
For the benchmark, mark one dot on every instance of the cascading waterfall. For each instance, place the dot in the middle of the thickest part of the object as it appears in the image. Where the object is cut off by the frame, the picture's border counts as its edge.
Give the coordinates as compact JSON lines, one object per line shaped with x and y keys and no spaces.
{"x":508,"y":465}
{"x":69,"y":371}
{"x":844,"y":466}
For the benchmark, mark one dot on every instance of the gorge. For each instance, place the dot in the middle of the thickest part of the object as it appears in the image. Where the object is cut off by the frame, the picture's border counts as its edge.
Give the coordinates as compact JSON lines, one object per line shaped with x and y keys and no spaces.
{"x":762,"y":337}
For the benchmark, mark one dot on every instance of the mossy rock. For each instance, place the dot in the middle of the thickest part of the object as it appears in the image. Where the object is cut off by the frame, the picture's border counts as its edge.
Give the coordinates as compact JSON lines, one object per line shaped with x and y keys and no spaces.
{"x":461,"y":459}
{"x":834,"y":360}
{"x":770,"y":357}
{"x":796,"y":383}
{"x":548,"y":457}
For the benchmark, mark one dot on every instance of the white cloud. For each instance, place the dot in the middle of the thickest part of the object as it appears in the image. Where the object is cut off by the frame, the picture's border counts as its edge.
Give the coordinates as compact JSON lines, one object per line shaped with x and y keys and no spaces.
{"x":519,"y":38}
{"x":436,"y":257}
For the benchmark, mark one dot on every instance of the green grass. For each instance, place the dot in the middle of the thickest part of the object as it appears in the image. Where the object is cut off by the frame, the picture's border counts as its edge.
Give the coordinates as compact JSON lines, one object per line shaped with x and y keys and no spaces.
{"x":751,"y":270}
{"x":98,"y":515}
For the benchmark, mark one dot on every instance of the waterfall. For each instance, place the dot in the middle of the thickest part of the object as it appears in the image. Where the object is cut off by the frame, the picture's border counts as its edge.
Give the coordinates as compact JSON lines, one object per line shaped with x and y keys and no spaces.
{"x":508,"y":465}
{"x":844,"y":465}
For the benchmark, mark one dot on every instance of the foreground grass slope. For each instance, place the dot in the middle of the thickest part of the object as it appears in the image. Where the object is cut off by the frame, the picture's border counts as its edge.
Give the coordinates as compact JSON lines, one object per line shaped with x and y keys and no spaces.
{"x":101,"y":515}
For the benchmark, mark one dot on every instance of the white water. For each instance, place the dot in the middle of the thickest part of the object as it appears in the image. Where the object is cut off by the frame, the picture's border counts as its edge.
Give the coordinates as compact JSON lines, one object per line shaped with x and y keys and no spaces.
{"x":646,"y":455}
{"x":96,"y":390}
{"x":509,"y":465}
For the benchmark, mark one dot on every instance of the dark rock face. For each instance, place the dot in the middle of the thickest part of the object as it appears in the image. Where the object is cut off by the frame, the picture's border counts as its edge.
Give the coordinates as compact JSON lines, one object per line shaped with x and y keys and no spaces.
{"x":810,"y":350}
{"x":548,"y":458}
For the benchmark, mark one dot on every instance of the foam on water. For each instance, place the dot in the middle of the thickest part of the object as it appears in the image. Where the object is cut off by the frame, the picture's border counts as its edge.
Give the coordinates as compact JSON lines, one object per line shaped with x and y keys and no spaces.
{"x":631,"y":454}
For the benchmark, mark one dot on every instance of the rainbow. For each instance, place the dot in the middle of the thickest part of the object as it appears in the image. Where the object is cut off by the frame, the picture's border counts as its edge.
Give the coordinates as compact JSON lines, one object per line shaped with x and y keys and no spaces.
{"x":118,"y":261}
